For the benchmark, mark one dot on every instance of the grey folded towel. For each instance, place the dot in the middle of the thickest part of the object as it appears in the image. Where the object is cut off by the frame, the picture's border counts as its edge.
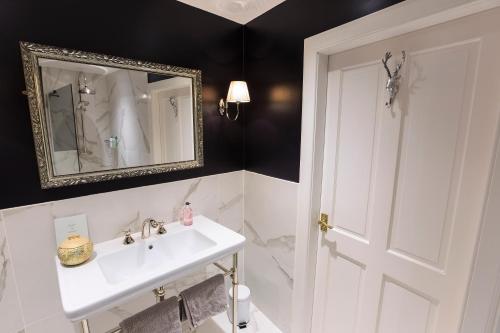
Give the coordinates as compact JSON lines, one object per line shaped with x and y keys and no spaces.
{"x":204,"y":300}
{"x":163,"y":317}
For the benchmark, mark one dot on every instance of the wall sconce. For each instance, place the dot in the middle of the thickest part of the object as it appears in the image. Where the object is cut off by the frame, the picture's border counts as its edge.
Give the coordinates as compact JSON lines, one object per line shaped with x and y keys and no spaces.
{"x":237,"y":93}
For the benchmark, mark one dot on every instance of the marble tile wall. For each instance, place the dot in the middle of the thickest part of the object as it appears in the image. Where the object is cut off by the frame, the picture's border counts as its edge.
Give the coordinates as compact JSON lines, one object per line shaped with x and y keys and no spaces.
{"x":10,"y":308}
{"x":262,"y":208}
{"x":270,"y":220}
{"x":29,"y":299}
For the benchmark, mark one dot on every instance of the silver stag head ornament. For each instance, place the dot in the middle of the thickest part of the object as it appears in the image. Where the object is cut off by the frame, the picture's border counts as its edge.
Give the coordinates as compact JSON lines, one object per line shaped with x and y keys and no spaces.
{"x":394,"y":79}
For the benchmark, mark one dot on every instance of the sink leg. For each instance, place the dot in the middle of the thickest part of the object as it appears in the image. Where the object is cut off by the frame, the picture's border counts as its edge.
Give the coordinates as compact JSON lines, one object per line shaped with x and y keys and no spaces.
{"x":85,"y":326}
{"x":234,"y":277}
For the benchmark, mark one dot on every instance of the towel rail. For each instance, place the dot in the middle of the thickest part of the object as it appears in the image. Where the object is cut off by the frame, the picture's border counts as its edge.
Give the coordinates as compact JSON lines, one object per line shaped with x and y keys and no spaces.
{"x":160,"y":293}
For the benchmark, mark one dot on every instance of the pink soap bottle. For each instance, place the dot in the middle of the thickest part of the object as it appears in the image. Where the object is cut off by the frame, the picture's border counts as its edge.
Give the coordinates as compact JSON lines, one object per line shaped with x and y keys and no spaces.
{"x":187,"y":215}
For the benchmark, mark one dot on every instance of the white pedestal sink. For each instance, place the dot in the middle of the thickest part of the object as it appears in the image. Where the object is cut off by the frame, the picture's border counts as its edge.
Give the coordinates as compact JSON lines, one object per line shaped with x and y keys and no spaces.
{"x":118,"y":272}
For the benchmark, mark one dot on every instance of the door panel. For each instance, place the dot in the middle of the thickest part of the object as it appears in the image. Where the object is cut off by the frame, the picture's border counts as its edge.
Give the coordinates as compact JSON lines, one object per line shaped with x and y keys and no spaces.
{"x":344,"y":285}
{"x":355,"y":147}
{"x":404,"y":187}
{"x":432,"y":151}
{"x":403,"y":310}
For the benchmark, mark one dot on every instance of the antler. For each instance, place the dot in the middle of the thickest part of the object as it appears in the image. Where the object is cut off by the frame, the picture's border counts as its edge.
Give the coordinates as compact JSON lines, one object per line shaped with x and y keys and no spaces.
{"x":387,"y":56}
{"x":398,"y":67}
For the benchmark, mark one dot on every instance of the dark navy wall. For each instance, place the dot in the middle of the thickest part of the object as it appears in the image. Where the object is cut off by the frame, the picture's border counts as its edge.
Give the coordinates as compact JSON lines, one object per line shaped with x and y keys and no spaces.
{"x":273,"y":69}
{"x":265,"y":140}
{"x":163,"y":31}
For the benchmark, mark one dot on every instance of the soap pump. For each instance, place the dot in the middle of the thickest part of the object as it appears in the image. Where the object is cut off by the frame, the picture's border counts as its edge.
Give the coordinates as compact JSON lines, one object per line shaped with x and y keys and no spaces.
{"x":187,"y":215}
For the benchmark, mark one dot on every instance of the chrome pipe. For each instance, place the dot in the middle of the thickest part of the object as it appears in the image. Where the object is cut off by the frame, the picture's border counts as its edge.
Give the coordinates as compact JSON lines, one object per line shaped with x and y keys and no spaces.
{"x":234,"y":277}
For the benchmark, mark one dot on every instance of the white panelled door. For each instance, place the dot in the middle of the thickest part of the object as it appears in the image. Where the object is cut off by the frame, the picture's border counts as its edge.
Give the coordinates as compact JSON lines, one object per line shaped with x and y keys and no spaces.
{"x":404,"y":188}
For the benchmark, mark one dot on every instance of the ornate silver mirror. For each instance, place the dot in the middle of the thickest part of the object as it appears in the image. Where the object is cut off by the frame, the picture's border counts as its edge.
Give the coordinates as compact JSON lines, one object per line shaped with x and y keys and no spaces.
{"x":98,"y":117}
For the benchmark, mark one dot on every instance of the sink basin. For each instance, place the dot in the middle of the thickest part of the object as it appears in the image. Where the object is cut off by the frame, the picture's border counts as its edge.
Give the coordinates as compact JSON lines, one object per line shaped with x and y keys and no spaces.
{"x":152,"y":254}
{"x":118,"y":272}
{"x":184,"y":244}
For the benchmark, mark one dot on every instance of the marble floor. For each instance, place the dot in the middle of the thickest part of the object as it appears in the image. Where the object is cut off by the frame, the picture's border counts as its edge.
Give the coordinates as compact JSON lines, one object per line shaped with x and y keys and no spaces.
{"x":259,"y":323}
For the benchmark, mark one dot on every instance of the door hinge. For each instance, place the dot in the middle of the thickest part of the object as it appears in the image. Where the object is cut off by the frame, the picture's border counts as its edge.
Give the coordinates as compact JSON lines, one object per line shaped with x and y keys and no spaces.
{"x":323,"y":223}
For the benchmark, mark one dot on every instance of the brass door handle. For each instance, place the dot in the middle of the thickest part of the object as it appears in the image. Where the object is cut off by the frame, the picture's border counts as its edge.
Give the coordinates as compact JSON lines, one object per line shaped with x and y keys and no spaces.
{"x":323,"y":223}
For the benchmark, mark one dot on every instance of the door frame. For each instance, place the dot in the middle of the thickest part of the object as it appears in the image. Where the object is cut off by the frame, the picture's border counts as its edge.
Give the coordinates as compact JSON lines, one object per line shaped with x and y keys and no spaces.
{"x":405,"y":17}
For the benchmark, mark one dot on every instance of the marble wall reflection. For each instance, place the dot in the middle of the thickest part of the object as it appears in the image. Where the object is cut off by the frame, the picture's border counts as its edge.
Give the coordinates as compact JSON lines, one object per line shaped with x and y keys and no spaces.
{"x":118,"y":118}
{"x":130,"y":120}
{"x":29,"y":298}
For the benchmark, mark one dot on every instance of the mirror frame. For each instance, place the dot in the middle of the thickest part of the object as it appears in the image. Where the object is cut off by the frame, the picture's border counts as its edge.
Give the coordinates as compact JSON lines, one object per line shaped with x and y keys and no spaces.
{"x":31,"y":52}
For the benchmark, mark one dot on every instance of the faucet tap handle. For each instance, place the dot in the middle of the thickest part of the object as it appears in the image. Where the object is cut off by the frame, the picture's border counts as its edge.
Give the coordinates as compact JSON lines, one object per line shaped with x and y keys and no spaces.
{"x":151,"y":221}
{"x":161,"y":227}
{"x":128,"y":237}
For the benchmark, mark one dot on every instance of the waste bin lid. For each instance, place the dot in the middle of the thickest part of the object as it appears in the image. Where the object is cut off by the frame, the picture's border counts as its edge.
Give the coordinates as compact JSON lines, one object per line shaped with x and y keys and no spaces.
{"x":243,"y":292}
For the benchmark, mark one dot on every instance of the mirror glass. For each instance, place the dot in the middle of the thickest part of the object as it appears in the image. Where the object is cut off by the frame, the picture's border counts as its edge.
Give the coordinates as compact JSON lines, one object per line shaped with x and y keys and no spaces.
{"x":104,"y":118}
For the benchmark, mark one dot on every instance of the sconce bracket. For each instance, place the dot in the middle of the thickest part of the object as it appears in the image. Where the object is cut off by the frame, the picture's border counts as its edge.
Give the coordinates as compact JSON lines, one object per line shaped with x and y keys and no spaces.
{"x":224,"y":109}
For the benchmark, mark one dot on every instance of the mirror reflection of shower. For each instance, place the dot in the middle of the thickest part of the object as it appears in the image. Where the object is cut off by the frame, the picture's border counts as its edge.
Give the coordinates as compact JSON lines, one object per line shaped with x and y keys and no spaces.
{"x":83,"y":89}
{"x":62,"y":125}
{"x":54,"y":93}
{"x":173,"y":103}
{"x":117,"y":118}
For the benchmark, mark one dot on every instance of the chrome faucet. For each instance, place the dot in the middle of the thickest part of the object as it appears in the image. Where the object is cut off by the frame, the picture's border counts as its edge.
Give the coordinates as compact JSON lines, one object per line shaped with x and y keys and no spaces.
{"x":150,"y":222}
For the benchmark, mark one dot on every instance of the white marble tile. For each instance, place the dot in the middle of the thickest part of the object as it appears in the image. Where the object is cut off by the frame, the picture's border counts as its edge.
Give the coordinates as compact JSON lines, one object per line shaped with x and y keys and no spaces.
{"x":109,"y":214}
{"x":105,"y":213}
{"x":166,"y":202}
{"x":107,"y":320}
{"x":230,"y":211}
{"x":54,"y":324}
{"x":231,"y":203}
{"x":270,"y":205}
{"x":10,"y":310}
{"x":30,"y":233}
{"x":270,"y":219}
{"x":270,"y":286}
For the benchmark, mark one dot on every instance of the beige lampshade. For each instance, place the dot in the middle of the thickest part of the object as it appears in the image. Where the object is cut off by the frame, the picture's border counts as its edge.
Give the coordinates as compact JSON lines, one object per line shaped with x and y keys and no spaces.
{"x":238,"y":92}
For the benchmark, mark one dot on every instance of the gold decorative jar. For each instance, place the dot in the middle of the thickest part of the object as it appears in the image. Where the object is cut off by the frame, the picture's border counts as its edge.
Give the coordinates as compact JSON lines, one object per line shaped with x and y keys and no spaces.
{"x":75,"y":250}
